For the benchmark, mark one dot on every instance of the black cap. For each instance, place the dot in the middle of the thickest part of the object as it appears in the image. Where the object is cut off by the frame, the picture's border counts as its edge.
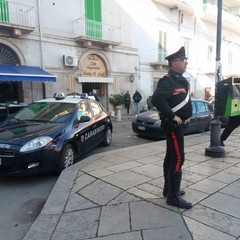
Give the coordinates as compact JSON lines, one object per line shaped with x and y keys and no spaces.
{"x":180,"y":54}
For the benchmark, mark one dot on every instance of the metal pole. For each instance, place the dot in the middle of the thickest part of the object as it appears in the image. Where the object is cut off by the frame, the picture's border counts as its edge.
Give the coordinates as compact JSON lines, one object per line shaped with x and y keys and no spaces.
{"x":215,"y":150}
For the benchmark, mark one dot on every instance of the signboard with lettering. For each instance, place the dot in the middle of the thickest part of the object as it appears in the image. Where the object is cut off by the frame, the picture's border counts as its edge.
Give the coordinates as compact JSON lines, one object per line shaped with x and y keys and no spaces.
{"x":93,"y":66}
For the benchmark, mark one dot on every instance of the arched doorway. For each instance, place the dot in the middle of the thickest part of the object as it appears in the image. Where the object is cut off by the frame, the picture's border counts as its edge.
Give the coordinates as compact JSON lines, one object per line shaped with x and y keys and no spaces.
{"x":10,"y":91}
{"x":94,"y":75}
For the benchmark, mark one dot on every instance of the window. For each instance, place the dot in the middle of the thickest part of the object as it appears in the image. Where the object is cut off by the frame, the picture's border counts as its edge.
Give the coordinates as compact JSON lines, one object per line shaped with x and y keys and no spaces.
{"x":187,"y":46}
{"x":194,"y":110}
{"x":201,"y":107}
{"x":210,"y":53}
{"x":93,"y":22}
{"x":162,"y":46}
{"x":4,"y":11}
{"x":96,"y":108}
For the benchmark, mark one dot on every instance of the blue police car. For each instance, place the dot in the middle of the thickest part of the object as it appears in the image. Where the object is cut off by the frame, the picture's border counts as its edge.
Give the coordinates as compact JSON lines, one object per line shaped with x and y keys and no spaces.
{"x":50,"y":134}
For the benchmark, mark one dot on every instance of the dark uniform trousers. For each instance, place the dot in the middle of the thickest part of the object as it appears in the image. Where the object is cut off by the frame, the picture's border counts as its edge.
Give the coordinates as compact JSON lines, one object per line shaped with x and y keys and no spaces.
{"x":233,"y":122}
{"x":175,"y":151}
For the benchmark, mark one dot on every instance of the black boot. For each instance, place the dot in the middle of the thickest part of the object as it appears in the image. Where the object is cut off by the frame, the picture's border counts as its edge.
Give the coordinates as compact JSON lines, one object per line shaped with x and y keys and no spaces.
{"x":165,"y":191}
{"x":173,"y":197}
{"x":165,"y":188}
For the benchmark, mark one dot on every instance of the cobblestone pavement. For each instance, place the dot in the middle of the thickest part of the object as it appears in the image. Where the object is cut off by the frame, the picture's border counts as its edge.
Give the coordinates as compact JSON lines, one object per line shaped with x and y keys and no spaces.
{"x":117,"y":195}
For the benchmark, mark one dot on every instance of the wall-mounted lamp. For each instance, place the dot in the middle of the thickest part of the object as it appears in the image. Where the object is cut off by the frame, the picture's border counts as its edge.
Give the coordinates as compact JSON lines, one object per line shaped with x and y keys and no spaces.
{"x":131,"y":78}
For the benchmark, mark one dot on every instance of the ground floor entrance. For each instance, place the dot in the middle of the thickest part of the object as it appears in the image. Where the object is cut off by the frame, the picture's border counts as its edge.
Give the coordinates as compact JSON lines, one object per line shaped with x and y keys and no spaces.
{"x":101,"y":88}
{"x":11,"y":91}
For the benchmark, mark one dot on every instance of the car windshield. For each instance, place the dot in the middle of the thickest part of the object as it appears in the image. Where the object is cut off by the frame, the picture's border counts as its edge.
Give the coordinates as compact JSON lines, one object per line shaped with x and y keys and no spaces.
{"x":46,"y":112}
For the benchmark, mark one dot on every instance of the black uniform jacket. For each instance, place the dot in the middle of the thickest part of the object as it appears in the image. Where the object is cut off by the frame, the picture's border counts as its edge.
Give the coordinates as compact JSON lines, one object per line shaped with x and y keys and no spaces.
{"x":171,"y":90}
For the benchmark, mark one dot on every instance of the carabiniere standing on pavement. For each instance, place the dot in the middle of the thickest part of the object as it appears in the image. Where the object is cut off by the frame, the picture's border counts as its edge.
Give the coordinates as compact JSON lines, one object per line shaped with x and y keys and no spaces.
{"x":171,"y":98}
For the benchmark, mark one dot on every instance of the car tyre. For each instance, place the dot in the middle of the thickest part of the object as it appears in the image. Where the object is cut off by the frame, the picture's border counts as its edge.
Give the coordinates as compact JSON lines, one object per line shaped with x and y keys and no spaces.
{"x":67,"y":158}
{"x":108,"y":137}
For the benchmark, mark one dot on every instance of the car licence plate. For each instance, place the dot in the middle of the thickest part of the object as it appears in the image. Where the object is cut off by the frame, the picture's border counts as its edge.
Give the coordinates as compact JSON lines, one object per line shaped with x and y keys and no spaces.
{"x":141,"y":128}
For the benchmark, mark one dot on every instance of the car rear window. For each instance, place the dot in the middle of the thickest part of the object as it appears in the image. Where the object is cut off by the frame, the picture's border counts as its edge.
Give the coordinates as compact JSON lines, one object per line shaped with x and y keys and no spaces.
{"x":201,"y":107}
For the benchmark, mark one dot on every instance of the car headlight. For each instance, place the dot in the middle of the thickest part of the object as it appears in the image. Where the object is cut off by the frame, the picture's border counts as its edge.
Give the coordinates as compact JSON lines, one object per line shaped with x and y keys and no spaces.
{"x":36,"y":143}
{"x":158,"y":122}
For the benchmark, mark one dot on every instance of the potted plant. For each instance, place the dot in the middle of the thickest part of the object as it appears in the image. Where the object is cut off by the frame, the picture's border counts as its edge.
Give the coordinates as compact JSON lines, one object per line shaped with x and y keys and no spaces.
{"x":116,"y":100}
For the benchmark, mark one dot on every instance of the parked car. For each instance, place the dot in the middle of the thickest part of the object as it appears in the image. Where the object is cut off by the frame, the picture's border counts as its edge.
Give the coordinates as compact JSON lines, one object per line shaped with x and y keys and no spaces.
{"x":50,"y":134}
{"x":7,"y":109}
{"x":222,"y":118}
{"x":148,"y":123}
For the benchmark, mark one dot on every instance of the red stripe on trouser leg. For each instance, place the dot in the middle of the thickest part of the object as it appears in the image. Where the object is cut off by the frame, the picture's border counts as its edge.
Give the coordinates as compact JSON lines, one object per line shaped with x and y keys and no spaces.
{"x":177,"y":151}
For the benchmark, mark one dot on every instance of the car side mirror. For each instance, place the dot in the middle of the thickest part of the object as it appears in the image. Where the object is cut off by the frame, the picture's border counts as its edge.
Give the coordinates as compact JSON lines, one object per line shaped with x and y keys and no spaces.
{"x":84,"y":119}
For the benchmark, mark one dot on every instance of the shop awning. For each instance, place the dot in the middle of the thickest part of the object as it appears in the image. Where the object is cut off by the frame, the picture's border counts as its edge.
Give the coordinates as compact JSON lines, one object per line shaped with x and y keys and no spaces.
{"x":95,"y":80}
{"x":25,"y":73}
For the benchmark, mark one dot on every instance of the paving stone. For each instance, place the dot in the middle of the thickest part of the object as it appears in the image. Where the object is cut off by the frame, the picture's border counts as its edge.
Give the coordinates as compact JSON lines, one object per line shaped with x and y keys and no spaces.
{"x":99,"y":164}
{"x":150,"y":159}
{"x":100,"y":192}
{"x":233,"y":170}
{"x":117,"y":158}
{"x":157,"y":191}
{"x":59,"y":195}
{"x":77,"y":225}
{"x":126,"y":179}
{"x":194,"y":156}
{"x":217,"y":220}
{"x":124,"y":197}
{"x":124,"y":236}
{"x":223,"y":203}
{"x":208,"y":186}
{"x":192,"y":177}
{"x":232,"y":189}
{"x":178,"y":232}
{"x":146,"y":215}
{"x":200,"y":231}
{"x":149,"y":170}
{"x":194,"y":196}
{"x":100,"y":173}
{"x":140,"y":193}
{"x":81,"y":182}
{"x":124,"y":166}
{"x":77,"y":202}
{"x":114,"y":219}
{"x":217,"y":163}
{"x":204,"y":170}
{"x":43,"y":227}
{"x":224,"y":177}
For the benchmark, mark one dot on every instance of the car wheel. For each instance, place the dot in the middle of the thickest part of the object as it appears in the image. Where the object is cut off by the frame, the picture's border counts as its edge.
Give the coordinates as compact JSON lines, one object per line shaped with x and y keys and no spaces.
{"x":108,"y":137}
{"x":67,"y":158}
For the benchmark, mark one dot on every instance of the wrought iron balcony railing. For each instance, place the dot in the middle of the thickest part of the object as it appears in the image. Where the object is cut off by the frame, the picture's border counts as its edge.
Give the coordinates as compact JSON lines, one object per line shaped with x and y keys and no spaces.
{"x":16,"y":15}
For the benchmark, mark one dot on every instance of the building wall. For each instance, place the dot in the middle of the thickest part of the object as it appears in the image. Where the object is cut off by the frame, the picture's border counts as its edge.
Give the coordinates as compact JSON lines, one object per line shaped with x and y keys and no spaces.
{"x":136,"y":25}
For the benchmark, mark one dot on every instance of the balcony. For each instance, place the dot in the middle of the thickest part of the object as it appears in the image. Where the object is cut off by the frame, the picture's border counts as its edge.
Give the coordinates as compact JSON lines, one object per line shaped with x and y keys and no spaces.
{"x":156,"y":57}
{"x":16,"y":18}
{"x":188,"y":6}
{"x":229,"y":21}
{"x":89,"y":33}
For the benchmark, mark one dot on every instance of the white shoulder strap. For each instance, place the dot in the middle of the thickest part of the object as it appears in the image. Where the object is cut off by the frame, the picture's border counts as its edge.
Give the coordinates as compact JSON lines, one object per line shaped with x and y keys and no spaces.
{"x":181,"y":104}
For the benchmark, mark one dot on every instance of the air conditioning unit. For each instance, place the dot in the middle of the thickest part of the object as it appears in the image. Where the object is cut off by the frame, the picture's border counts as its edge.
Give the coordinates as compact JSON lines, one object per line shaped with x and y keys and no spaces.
{"x":70,"y":61}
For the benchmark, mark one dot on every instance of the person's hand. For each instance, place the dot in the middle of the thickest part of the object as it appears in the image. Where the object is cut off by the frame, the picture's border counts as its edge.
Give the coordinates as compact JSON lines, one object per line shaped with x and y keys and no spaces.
{"x":177,"y":119}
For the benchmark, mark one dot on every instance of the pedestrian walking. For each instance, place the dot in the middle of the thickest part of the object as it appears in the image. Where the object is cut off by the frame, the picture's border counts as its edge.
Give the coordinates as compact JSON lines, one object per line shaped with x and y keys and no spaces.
{"x":127,"y":101}
{"x":233,"y":123}
{"x":137,"y":97}
{"x":171,"y":98}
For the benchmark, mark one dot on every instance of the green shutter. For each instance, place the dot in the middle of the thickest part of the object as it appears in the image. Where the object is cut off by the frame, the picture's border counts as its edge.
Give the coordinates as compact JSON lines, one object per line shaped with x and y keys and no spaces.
{"x":4,"y":13}
{"x":93,"y":21}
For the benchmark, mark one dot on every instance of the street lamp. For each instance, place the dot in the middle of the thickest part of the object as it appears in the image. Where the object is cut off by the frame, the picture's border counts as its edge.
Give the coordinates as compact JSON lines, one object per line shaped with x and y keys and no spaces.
{"x":215,"y":150}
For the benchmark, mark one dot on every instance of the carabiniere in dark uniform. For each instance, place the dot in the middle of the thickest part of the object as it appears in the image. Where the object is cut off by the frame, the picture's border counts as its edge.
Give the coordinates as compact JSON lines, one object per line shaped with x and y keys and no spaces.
{"x":172,"y":90}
